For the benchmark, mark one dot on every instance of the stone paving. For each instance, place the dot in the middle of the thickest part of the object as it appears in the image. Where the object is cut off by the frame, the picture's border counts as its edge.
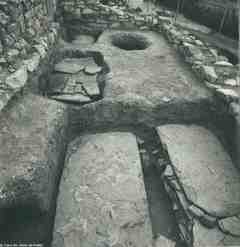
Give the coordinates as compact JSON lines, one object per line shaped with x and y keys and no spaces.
{"x":75,"y":81}
{"x":203,"y":183}
{"x":102,"y":200}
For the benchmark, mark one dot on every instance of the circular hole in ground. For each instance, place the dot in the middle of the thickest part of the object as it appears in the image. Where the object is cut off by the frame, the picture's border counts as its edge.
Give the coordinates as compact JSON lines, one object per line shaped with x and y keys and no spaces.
{"x":130,"y":41}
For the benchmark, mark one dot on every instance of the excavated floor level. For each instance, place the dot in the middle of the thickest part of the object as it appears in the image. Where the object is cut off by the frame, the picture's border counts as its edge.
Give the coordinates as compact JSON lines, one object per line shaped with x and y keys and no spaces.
{"x":113,"y":189}
{"x":155,"y":73}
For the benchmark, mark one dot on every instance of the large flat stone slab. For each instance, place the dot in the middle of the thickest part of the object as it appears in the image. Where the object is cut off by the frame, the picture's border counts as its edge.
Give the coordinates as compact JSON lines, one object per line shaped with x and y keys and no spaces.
{"x":204,"y":168}
{"x":33,"y":142}
{"x":102,"y":200}
{"x":203,"y":185}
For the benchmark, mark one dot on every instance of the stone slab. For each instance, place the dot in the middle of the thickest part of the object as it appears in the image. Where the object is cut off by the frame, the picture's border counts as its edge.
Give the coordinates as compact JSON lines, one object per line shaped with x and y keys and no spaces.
{"x":33,"y":142}
{"x":72,"y":98}
{"x":73,"y":65}
{"x":204,"y":168}
{"x":83,"y":40}
{"x":89,"y":83}
{"x":92,"y":69}
{"x":102,"y":199}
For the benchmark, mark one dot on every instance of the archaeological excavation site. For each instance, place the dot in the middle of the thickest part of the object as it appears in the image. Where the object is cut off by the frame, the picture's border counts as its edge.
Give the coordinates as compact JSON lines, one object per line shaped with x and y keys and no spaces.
{"x":120,"y":123}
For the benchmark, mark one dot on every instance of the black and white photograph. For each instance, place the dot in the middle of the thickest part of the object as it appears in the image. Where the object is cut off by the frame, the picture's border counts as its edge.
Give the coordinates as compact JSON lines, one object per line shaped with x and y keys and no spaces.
{"x":119,"y":123}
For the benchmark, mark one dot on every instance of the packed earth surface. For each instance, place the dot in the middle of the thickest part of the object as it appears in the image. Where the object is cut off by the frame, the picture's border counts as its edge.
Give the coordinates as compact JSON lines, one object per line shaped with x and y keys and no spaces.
{"x":120,"y":127}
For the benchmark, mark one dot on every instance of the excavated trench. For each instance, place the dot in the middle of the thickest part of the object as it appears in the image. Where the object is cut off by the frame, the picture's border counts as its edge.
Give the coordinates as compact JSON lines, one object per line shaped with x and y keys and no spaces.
{"x":115,"y":190}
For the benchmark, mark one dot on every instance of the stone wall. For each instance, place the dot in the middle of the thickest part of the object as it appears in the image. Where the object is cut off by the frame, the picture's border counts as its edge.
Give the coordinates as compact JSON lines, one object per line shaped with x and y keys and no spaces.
{"x":27,"y":36}
{"x":210,"y":13}
{"x":92,"y":17}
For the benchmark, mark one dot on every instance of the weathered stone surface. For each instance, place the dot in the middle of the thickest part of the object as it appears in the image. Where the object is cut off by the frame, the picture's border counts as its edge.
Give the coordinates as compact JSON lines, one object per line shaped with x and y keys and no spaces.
{"x":204,"y":168}
{"x":102,"y":200}
{"x":33,"y":141}
{"x":153,"y":73}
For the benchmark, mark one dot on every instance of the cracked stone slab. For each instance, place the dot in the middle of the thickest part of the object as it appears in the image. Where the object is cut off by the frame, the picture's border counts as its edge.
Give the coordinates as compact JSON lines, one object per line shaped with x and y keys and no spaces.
{"x":89,"y":82}
{"x":73,"y":65}
{"x":74,"y":84}
{"x":102,"y":199}
{"x":33,"y":142}
{"x":204,"y":168}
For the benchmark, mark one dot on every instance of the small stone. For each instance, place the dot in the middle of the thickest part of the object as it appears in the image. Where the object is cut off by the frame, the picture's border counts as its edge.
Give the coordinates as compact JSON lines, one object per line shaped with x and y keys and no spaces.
{"x":223,"y":63}
{"x":214,"y":52}
{"x":199,"y":42}
{"x":140,"y":141}
{"x":222,"y":58}
{"x":208,"y":221}
{"x":195,"y":211}
{"x":76,"y":98}
{"x":228,"y":94}
{"x":209,"y":73}
{"x":33,"y":63}
{"x":231,"y":82}
{"x":156,"y":151}
{"x":162,"y":241}
{"x":18,"y":79}
{"x":12,"y":55}
{"x":168,"y":171}
{"x":41,"y":50}
{"x":3,"y":61}
{"x":92,"y":69}
{"x":212,"y":86}
{"x":166,"y":99}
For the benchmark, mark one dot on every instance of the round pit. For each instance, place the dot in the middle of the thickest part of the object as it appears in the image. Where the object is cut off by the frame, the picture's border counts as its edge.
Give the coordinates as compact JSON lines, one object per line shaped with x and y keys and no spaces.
{"x":130,"y":41}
